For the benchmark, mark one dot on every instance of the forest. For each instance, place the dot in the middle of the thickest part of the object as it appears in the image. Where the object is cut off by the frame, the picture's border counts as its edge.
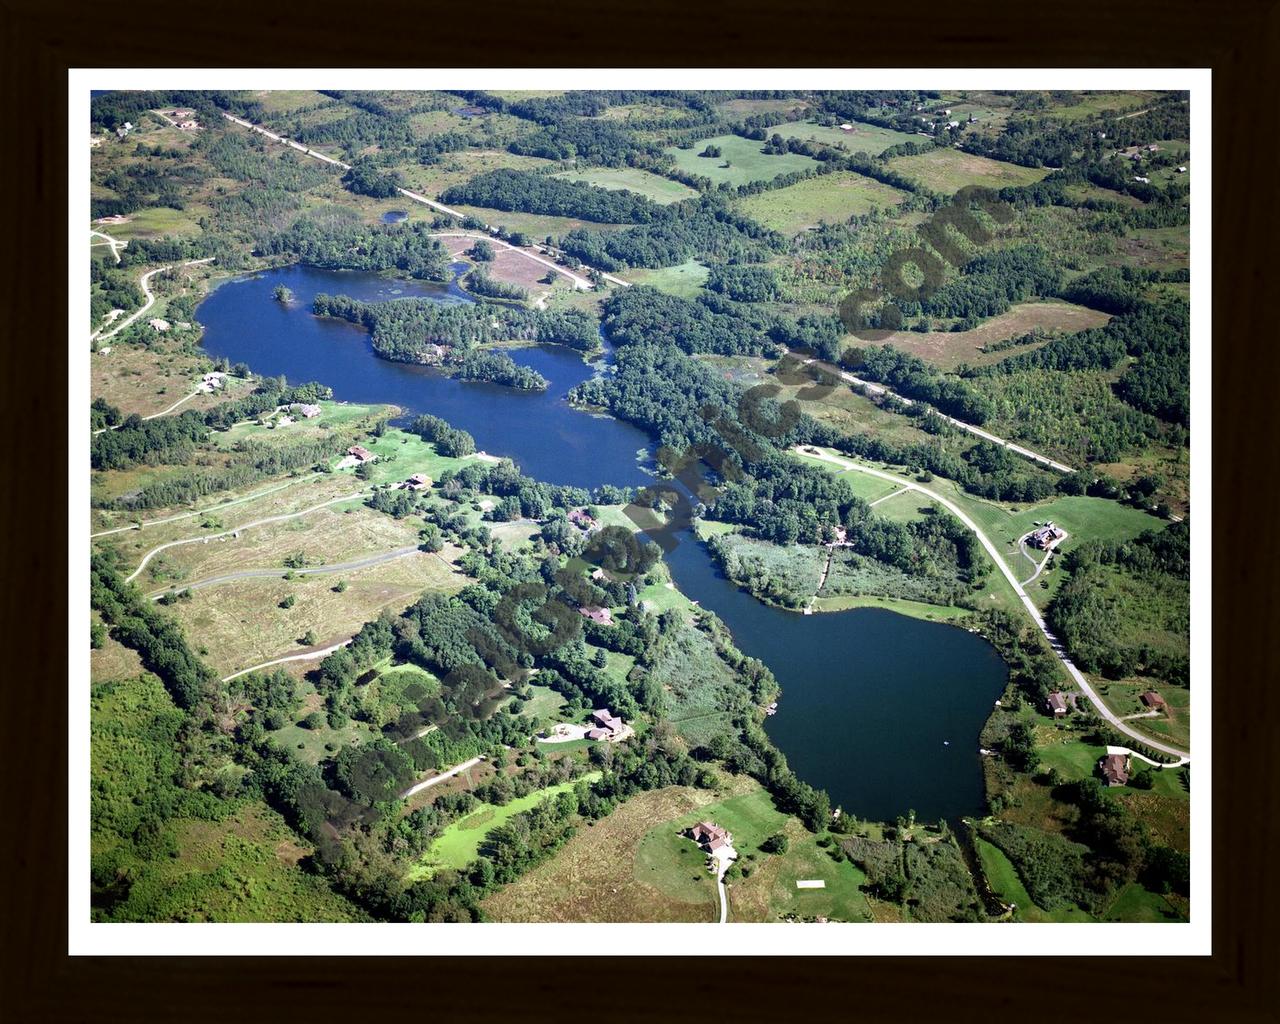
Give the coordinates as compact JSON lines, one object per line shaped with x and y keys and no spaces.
{"x":523,"y":191}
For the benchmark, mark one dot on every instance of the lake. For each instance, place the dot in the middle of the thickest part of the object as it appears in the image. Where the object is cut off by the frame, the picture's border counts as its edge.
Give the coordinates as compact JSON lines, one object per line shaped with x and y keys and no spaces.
{"x":881,"y":710}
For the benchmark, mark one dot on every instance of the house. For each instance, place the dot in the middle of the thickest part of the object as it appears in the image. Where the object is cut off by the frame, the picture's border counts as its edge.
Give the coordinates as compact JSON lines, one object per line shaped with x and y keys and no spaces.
{"x":599,"y":575}
{"x":188,"y":126}
{"x":580,"y":517}
{"x":213,"y":381}
{"x":1153,"y":148}
{"x":597,"y":734}
{"x":1047,"y":536}
{"x":306,"y":411}
{"x":433,"y":353}
{"x":158,"y":325}
{"x":1102,"y":135}
{"x":1182,"y":170}
{"x":1145,"y":181}
{"x":124,"y":129}
{"x":417,"y":482}
{"x":1057,"y":704}
{"x":953,"y":124}
{"x":710,"y":836}
{"x":846,"y":127}
{"x":608,"y":721}
{"x":1115,"y":769}
{"x":1153,"y":700}
{"x":598,"y":615}
{"x":361,"y":453}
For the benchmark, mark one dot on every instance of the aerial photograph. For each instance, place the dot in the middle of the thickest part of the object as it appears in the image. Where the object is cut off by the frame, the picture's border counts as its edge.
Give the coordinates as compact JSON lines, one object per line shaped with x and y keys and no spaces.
{"x":649,"y":505}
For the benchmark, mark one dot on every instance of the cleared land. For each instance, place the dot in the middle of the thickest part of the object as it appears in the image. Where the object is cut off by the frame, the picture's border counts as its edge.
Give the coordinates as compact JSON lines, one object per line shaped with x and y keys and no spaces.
{"x":949,"y":170}
{"x":594,"y":876}
{"x":459,"y":844}
{"x":241,"y":623}
{"x":948,"y":349}
{"x":632,"y":179}
{"x":746,"y":161}
{"x":684,"y":279}
{"x":829,"y":198}
{"x":865,"y":138}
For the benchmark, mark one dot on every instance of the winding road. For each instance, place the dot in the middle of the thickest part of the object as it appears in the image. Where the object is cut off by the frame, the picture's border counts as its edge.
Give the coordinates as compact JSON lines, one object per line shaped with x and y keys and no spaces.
{"x":1055,"y":644}
{"x":304,"y":656}
{"x":880,"y":389}
{"x":436,"y":779}
{"x":227,"y":533}
{"x":204,"y":511}
{"x":277,"y":573}
{"x":578,"y":282}
{"x":143,"y":282}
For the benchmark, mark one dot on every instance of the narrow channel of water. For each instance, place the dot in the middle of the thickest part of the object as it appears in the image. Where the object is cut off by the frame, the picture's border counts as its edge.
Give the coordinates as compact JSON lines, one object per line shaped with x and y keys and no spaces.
{"x":881,"y":710}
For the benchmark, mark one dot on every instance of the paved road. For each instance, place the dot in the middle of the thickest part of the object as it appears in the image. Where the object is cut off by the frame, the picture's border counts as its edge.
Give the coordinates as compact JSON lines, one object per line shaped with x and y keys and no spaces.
{"x":115,"y":243}
{"x":143,"y":283}
{"x":578,"y":282}
{"x":1054,"y":643}
{"x":319,"y":570}
{"x":880,"y":389}
{"x":1022,"y":546}
{"x":436,"y":779}
{"x":227,"y":533}
{"x":304,"y":656}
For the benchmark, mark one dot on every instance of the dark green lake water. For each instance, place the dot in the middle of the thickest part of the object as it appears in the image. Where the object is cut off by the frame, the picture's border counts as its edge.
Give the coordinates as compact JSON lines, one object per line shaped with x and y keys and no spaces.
{"x":881,"y":710}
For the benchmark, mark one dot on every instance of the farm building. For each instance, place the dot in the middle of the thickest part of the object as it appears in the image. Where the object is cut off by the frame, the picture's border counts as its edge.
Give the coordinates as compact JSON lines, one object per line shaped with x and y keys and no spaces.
{"x":1154,"y":701}
{"x":361,"y":453}
{"x":1115,"y":769}
{"x":598,"y":615}
{"x":1056,"y":703}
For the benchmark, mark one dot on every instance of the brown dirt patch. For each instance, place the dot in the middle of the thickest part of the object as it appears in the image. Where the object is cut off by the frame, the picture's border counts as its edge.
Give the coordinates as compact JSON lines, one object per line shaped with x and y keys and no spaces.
{"x":947,"y":349}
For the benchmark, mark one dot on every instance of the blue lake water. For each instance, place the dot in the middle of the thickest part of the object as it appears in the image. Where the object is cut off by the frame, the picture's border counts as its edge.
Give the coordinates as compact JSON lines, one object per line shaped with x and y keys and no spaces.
{"x":881,"y":710}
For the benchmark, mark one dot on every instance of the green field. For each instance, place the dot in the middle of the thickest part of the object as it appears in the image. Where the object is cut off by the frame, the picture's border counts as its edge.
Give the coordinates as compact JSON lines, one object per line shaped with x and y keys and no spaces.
{"x":949,"y":170}
{"x":684,"y":279}
{"x":459,"y":844}
{"x":746,"y":162}
{"x":633,"y":179}
{"x":865,"y":138}
{"x":829,"y":198}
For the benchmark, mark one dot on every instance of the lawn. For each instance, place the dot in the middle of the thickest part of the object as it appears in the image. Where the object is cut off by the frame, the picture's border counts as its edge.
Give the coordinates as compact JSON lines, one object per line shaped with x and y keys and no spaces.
{"x":948,"y":170}
{"x":684,"y":279}
{"x":1073,"y":759}
{"x":459,"y":844}
{"x":916,"y":609}
{"x":157,"y":222}
{"x":829,"y":198}
{"x":316,"y":745}
{"x":545,"y":704}
{"x":746,"y":161}
{"x":1136,"y":904}
{"x":633,"y":179}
